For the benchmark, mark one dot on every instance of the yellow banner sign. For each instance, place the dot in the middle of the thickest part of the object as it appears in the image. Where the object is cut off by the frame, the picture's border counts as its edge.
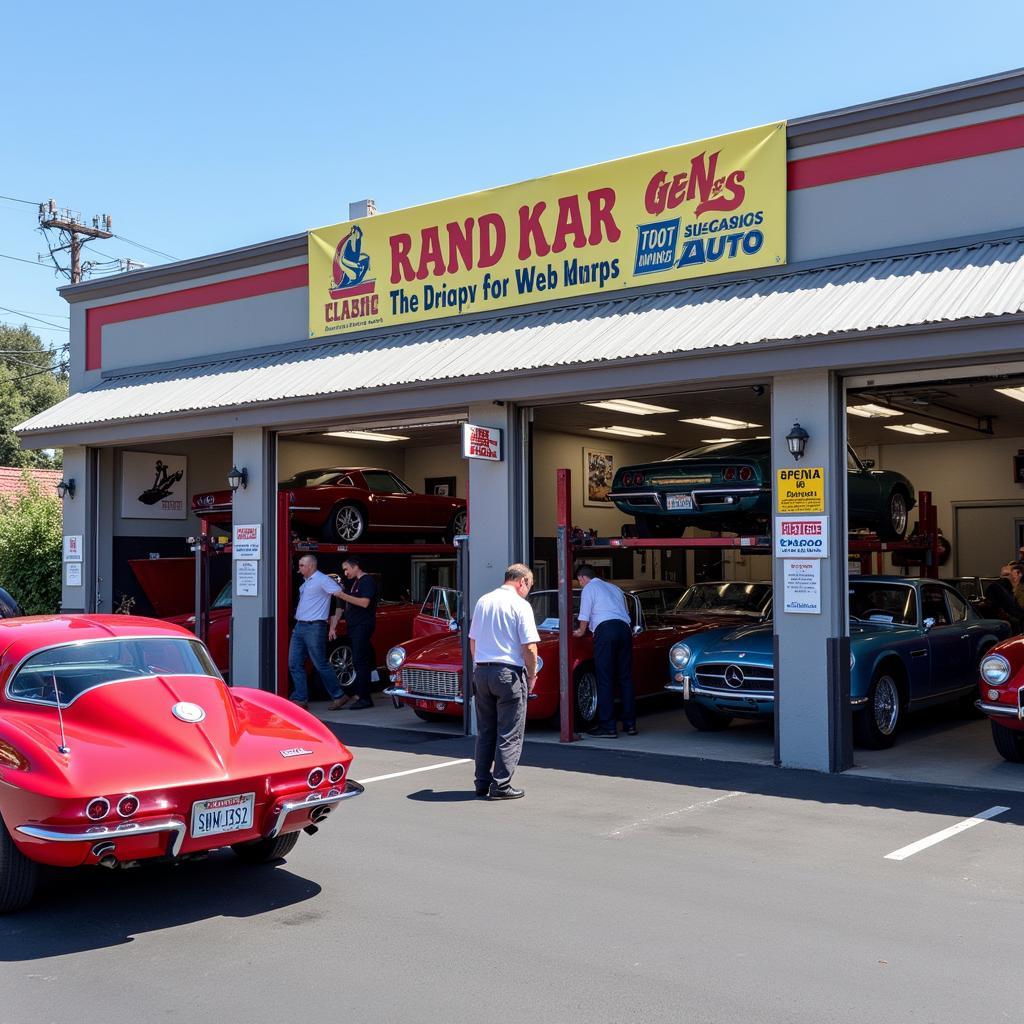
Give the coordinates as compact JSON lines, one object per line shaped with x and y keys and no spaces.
{"x":800,"y":490}
{"x":704,"y":208}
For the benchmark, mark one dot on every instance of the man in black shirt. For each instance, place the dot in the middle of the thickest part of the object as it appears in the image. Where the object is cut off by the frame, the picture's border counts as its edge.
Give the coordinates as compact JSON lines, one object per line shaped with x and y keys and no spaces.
{"x":359,"y":600}
{"x":1000,"y":596}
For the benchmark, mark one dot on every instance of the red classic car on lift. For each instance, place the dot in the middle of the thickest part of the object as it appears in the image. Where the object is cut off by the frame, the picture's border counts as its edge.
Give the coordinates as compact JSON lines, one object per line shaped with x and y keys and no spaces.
{"x":119,"y":742}
{"x":1002,"y":696}
{"x":344,"y":505}
{"x":395,"y":621}
{"x":426,"y":673}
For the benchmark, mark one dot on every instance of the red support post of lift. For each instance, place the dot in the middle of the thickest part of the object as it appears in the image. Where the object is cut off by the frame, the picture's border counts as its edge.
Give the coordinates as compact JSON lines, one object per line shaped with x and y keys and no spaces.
{"x":921,"y":547}
{"x":566,"y":694}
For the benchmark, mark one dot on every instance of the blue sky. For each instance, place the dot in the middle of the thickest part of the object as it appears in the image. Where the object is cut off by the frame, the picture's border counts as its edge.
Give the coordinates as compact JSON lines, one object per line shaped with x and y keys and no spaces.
{"x":202,"y":127}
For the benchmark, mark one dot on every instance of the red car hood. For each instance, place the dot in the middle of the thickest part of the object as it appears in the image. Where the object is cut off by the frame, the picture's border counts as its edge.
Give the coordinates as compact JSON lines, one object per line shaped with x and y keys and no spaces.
{"x":123,"y":736}
{"x":446,"y":651}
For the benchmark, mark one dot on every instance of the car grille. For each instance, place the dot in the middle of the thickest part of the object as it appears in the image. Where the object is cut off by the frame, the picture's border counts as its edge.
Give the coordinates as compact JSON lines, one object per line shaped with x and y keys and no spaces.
{"x":724,"y":676}
{"x":432,"y":682}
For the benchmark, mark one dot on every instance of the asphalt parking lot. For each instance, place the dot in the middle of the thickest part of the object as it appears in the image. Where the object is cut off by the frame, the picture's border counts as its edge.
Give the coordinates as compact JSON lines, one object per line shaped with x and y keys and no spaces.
{"x":627,"y":886}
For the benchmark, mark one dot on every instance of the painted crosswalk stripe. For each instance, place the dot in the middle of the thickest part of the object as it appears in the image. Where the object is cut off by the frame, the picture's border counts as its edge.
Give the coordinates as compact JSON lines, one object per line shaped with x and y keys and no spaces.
{"x":414,"y":771}
{"x":961,"y":826}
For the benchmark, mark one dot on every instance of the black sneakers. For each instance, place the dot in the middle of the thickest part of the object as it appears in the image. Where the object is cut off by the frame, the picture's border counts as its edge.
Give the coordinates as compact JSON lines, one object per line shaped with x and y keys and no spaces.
{"x":606,"y":733}
{"x":508,"y":793}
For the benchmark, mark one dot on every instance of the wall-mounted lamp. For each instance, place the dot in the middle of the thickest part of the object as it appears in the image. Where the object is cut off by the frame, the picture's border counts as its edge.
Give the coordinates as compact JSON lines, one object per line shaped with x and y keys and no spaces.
{"x":797,"y":440}
{"x":238,"y":478}
{"x":66,"y":489}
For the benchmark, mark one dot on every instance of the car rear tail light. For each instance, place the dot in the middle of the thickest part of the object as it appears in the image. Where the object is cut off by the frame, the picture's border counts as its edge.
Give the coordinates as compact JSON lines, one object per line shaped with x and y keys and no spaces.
{"x":746,"y":472}
{"x":729,"y":473}
{"x":315,"y":778}
{"x":336,"y":774}
{"x":127,"y":805}
{"x":97,"y":809}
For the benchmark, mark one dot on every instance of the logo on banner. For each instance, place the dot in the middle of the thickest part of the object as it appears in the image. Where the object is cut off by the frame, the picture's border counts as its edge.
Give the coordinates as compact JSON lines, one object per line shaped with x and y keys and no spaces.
{"x":354,"y":295}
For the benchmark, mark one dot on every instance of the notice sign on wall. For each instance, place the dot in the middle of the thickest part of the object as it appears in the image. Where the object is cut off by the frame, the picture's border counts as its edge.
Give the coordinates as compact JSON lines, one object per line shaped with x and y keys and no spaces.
{"x":72,"y":574}
{"x":801,"y":586}
{"x":153,"y":486}
{"x":800,"y":490}
{"x":72,"y":547}
{"x":481,"y":443}
{"x":247,"y":579}
{"x":708,"y":207}
{"x":801,"y":537}
{"x":245,"y":542}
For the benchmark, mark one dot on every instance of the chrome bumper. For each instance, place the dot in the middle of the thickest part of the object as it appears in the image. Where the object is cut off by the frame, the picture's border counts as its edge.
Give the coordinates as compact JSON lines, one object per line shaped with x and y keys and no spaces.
{"x":401,"y":691}
{"x":312,"y":801}
{"x":123,"y":830}
{"x":686,"y":688}
{"x":1000,"y":709}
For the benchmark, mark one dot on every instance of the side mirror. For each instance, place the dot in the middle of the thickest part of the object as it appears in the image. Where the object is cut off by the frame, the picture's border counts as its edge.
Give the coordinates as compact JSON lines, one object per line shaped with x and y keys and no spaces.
{"x":868,"y":463}
{"x":453,"y":625}
{"x":929,"y":622}
{"x":637,"y":630}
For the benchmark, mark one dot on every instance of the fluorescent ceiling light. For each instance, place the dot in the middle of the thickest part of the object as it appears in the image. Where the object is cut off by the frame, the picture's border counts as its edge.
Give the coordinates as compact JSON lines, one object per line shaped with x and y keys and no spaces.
{"x":365,"y":435}
{"x":871,"y":412}
{"x":722,"y":440}
{"x":720,"y":423}
{"x":1017,"y":393}
{"x":918,"y":429}
{"x":629,"y":432}
{"x":629,"y":406}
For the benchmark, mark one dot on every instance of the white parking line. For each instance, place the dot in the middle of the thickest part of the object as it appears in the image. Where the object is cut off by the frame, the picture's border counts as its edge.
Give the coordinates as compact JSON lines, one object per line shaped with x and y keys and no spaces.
{"x":961,"y":826}
{"x":414,"y":771}
{"x":637,"y":825}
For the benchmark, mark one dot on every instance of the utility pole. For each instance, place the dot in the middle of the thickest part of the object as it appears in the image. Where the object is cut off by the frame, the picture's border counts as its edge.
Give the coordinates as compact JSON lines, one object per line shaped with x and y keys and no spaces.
{"x":73,"y":234}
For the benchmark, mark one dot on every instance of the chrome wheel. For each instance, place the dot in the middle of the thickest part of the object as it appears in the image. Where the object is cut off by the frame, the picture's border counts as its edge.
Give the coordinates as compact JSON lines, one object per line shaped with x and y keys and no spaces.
{"x":343,"y":665}
{"x":586,"y":697}
{"x":898,"y":513}
{"x":348,"y":523}
{"x":886,"y":705}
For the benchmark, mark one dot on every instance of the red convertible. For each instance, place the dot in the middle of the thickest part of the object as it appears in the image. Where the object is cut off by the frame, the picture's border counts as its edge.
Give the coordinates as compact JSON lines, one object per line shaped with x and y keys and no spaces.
{"x":426,"y":672}
{"x":1002,"y":696}
{"x":345,"y":505}
{"x":395,"y":622}
{"x":119,"y":742}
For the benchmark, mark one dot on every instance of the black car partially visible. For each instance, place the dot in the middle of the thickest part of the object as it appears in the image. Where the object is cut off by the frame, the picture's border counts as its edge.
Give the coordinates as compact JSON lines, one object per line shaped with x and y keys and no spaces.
{"x":9,"y":608}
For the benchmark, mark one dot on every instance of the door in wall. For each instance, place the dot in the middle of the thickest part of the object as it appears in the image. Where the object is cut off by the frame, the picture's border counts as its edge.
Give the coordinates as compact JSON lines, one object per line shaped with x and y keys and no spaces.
{"x":986,"y":538}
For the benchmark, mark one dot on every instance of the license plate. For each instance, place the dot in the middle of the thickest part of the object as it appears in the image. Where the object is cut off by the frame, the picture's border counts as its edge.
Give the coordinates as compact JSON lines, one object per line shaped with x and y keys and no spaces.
{"x":222,"y":814}
{"x":680,"y":501}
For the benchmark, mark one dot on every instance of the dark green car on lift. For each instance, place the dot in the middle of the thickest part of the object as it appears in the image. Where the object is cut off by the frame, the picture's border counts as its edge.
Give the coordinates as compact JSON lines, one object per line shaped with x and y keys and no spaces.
{"x":727,"y":486}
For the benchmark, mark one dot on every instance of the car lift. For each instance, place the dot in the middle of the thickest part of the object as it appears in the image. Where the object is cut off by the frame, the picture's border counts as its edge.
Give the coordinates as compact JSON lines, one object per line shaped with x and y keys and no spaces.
{"x":204,"y":546}
{"x":922,"y":548}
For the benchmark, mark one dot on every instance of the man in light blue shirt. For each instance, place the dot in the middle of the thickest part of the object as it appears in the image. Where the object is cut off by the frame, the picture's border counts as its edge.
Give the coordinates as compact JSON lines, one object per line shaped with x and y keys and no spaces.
{"x":603,"y":610}
{"x":309,"y":637}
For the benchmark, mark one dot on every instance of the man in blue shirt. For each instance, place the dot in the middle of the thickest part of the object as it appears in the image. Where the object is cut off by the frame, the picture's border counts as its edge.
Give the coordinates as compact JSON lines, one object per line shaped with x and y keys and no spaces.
{"x":603,"y":610}
{"x":309,"y":637}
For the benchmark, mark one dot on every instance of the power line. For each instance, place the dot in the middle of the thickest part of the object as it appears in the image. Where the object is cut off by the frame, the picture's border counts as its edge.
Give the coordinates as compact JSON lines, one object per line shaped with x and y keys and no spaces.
{"x":27,"y":202}
{"x":33,"y":263}
{"x":39,"y":312}
{"x":146,"y":247}
{"x":15,"y":326}
{"x":47,"y":322}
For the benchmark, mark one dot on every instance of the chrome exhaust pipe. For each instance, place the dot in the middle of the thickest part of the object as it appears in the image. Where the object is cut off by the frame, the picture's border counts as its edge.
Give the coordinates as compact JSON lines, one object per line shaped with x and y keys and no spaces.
{"x":318,"y":814}
{"x":102,"y":849}
{"x":109,"y":861}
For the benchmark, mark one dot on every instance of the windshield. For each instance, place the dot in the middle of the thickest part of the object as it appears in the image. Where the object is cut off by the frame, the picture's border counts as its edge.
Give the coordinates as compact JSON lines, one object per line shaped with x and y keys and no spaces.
{"x":72,"y":669}
{"x":883,"y":602}
{"x":740,"y":448}
{"x":726,"y":599}
{"x":313,"y":478}
{"x":223,"y":599}
{"x":545,"y":607}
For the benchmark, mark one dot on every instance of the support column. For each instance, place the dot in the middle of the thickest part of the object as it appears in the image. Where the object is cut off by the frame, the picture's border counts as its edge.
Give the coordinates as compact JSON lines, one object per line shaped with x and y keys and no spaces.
{"x":493,"y":537}
{"x":252,"y":617}
{"x":812,"y":715}
{"x":79,"y":521}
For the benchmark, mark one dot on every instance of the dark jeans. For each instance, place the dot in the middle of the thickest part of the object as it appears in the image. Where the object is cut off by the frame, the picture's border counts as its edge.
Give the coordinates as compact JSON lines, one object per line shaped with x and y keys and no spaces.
{"x":362,"y":657}
{"x":500,"y":695}
{"x":310,"y":639}
{"x":613,"y":662}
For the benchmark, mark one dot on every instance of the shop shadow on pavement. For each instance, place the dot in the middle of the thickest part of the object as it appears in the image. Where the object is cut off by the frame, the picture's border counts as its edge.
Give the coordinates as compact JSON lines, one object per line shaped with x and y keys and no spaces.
{"x":760,"y":780}
{"x":93,"y":908}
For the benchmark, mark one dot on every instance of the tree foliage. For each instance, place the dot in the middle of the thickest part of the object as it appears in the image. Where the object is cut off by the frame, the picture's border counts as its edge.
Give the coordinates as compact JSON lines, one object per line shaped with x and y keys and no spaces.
{"x":32,"y":378}
{"x":31,"y":549}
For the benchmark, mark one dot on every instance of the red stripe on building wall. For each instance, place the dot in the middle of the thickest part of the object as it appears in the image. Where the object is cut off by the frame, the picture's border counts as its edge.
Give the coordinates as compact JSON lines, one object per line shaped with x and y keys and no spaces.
{"x":901,"y":154}
{"x":187,"y":298}
{"x":847,"y":165}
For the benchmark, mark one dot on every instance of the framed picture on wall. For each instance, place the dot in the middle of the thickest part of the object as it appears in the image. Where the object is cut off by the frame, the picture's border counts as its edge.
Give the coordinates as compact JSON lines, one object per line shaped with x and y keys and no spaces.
{"x":442,"y":486}
{"x":598,"y":470}
{"x":154,"y":485}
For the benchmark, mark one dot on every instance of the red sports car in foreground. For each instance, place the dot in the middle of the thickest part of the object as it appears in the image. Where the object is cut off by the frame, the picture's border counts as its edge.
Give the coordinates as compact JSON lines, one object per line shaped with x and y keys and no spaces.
{"x":1002,"y":696}
{"x":119,"y":742}
{"x":345,"y":505}
{"x":426,"y":673}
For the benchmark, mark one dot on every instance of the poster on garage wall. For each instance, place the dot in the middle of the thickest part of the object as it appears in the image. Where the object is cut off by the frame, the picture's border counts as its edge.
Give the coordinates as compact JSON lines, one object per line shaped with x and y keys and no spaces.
{"x":154,"y":485}
{"x":707,"y":207}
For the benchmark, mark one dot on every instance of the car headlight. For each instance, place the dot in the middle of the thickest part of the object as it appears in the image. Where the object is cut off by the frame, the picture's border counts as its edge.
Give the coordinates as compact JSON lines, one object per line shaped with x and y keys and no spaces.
{"x":995,"y":669}
{"x":680,"y":655}
{"x":396,"y":658}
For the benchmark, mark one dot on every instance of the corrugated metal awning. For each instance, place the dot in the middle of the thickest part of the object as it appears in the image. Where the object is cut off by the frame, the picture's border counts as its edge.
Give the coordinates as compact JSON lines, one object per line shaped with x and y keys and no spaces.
{"x":972,"y":282}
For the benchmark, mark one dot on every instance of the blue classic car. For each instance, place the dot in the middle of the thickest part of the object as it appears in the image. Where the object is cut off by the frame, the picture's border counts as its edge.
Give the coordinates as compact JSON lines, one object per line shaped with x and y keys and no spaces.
{"x":727,"y":485}
{"x":913,"y":642}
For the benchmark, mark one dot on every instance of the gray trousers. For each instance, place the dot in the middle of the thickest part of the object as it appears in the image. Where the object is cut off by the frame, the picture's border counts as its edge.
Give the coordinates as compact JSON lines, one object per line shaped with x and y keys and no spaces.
{"x":500,"y":695}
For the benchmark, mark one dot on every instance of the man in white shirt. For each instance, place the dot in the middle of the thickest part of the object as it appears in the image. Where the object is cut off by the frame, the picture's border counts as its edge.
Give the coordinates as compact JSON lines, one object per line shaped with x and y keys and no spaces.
{"x":503,"y":641}
{"x":603,"y":609}
{"x":309,"y":637}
